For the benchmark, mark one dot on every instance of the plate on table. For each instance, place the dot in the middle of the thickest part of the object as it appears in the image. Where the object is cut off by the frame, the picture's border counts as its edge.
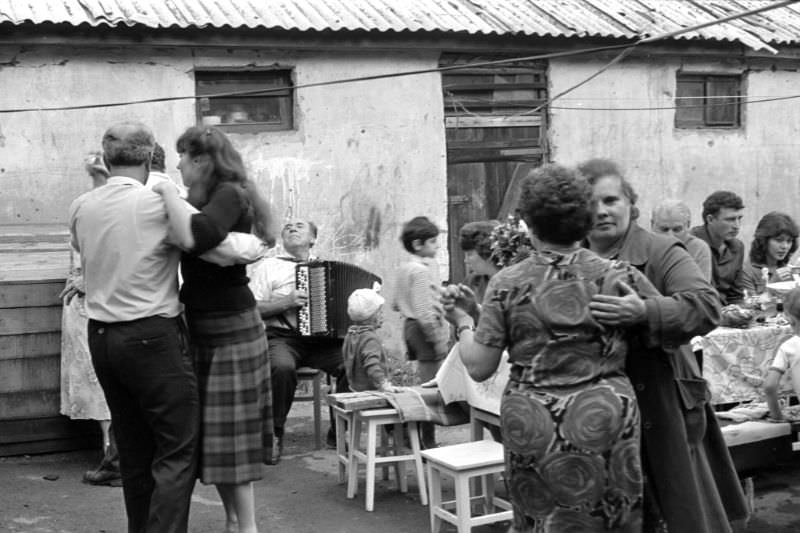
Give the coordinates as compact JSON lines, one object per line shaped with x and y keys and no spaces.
{"x":782,"y":287}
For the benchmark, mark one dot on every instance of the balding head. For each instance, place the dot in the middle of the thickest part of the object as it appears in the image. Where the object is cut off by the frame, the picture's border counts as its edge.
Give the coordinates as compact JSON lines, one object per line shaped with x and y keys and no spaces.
{"x":127,"y":148}
{"x":673,"y":217}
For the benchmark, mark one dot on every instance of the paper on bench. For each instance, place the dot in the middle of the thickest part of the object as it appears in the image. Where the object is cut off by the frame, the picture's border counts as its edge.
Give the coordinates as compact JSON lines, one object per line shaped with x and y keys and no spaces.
{"x":455,"y":385}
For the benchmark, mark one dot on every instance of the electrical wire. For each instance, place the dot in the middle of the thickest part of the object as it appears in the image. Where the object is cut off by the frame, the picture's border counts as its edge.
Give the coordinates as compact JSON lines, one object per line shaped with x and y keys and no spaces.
{"x":753,"y":100}
{"x":664,"y":108}
{"x":647,"y":40}
{"x":266,"y":91}
{"x":627,"y":48}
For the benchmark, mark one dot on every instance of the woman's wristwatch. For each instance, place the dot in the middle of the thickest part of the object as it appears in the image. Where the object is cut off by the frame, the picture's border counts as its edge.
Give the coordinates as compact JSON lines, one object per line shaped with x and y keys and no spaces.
{"x":464,"y":327}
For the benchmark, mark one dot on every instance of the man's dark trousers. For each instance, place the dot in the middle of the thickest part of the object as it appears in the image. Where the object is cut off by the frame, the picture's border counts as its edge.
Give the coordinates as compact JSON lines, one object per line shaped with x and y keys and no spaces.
{"x":146,"y":372}
{"x":288,"y":352}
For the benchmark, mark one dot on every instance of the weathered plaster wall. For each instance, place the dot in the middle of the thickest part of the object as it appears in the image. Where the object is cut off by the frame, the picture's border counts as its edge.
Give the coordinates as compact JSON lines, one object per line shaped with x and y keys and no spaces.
{"x":759,"y":161}
{"x":42,"y":152}
{"x":363,"y":158}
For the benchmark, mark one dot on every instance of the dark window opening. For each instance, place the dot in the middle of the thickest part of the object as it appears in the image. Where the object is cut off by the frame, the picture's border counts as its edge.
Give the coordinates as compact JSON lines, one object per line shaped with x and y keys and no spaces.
{"x":245,"y":101}
{"x":708,"y":101}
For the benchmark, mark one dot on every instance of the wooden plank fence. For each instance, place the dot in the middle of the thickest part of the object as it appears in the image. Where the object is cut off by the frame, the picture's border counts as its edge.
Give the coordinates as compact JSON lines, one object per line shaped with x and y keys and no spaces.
{"x":33,"y":267}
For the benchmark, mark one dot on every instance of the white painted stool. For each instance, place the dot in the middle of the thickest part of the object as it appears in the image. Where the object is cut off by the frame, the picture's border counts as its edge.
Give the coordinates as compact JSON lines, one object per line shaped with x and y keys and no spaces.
{"x":462,"y":462}
{"x":375,"y":419}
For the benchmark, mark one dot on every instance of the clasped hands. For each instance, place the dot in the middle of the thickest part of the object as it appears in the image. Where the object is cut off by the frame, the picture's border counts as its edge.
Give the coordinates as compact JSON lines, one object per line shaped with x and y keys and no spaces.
{"x":458,"y":302}
{"x":628,"y":309}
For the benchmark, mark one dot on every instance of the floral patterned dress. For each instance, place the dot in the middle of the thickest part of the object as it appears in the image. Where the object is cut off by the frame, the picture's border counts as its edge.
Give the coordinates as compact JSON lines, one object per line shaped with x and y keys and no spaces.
{"x":81,"y":395}
{"x":568,"y":416}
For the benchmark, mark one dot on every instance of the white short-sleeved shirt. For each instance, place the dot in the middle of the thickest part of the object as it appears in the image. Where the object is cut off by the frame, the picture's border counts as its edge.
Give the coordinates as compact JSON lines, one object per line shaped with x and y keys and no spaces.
{"x":274,"y":278}
{"x":787,"y":358}
{"x":129,"y":266}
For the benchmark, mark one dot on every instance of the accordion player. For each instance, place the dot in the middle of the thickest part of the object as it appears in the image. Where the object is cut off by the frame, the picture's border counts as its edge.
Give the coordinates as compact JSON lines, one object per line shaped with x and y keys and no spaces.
{"x":328,"y":284}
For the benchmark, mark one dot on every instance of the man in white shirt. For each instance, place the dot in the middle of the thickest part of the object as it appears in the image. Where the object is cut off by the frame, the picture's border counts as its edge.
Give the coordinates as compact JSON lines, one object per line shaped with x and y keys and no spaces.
{"x":136,"y":336}
{"x":273,"y":284}
{"x":674,"y":217}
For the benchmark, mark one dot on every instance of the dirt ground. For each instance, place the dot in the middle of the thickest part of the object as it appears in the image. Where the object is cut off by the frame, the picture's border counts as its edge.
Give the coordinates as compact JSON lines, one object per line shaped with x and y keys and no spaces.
{"x":44,"y":494}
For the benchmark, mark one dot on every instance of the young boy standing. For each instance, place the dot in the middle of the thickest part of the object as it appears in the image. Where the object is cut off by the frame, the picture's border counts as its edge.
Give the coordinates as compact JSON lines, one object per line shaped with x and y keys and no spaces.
{"x":787,"y":358}
{"x":364,"y":358}
{"x":425,"y":331}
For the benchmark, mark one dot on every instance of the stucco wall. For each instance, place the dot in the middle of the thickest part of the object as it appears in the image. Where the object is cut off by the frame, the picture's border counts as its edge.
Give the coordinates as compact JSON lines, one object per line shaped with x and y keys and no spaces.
{"x":759,"y":161}
{"x":363,"y":158}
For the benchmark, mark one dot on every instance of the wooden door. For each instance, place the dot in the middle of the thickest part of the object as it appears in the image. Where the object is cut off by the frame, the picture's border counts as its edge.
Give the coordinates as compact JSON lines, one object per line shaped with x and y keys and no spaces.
{"x":493,"y":140}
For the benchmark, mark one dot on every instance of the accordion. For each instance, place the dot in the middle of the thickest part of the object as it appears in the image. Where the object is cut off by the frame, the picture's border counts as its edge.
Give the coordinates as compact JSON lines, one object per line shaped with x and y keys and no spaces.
{"x":328,"y":284}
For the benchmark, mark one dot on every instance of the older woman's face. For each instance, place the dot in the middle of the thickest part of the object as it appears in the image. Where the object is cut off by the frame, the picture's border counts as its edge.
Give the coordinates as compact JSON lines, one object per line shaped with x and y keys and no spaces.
{"x":778,"y":247}
{"x":612,"y":209}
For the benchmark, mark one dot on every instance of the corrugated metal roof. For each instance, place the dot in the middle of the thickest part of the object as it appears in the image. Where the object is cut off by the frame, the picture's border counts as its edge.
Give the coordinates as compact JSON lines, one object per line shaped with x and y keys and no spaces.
{"x":562,"y":18}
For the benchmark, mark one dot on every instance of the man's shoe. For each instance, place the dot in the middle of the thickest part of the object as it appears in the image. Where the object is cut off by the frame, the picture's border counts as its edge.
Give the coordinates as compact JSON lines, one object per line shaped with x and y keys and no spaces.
{"x":330,"y":439}
{"x":277,"y":450}
{"x":103,"y":476}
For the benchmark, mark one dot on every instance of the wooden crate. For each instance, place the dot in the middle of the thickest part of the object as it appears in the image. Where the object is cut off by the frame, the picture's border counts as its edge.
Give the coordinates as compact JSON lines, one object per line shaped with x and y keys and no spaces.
{"x":32,"y":274}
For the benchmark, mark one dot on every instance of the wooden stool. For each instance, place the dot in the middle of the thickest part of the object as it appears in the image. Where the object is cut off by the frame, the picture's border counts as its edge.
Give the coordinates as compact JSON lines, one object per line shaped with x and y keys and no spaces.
{"x":313,"y":375}
{"x":375,"y":419}
{"x":463,"y":462}
{"x":343,"y":422}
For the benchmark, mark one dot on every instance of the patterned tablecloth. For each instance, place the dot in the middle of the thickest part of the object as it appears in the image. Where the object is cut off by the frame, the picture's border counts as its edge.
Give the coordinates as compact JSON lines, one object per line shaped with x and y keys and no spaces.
{"x":735,"y":361}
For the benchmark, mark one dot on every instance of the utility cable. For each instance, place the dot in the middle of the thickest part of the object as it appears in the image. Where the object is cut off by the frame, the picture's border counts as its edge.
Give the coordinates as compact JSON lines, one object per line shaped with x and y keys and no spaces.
{"x":627,"y":48}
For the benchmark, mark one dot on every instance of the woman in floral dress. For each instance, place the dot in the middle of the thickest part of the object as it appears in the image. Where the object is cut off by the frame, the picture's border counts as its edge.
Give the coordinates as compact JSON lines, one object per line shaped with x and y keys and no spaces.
{"x":568,"y":416}
{"x":82,"y":398}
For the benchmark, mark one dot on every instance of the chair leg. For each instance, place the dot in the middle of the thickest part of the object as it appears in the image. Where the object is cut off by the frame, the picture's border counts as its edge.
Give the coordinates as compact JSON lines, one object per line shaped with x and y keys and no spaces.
{"x":352,"y":467}
{"x":463,"y":511}
{"x":341,"y":445}
{"x":399,"y":466}
{"x":435,"y":483}
{"x":476,"y":434}
{"x":413,"y":435}
{"x":487,"y":483}
{"x":372,"y":443}
{"x":384,"y":448}
{"x":317,"y":393}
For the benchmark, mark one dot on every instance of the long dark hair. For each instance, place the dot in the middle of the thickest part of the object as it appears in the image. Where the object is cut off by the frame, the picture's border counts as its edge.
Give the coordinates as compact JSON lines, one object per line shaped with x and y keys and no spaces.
{"x":225,"y":164}
{"x":772,"y":225}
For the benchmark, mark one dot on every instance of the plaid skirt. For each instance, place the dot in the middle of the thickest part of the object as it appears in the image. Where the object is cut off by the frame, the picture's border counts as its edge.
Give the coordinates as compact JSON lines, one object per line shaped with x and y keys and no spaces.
{"x":233,"y":376}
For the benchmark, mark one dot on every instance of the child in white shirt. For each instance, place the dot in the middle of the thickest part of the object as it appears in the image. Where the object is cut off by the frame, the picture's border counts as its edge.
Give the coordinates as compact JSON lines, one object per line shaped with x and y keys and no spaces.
{"x":787,"y":357}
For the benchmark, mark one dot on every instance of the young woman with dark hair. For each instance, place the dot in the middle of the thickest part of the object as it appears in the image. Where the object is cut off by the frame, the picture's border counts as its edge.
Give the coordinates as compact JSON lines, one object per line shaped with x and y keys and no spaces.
{"x":226,"y":331}
{"x":773,"y":244}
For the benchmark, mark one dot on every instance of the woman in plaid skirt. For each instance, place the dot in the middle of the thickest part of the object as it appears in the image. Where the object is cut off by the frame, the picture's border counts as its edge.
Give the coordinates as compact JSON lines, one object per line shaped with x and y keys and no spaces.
{"x":226,"y":331}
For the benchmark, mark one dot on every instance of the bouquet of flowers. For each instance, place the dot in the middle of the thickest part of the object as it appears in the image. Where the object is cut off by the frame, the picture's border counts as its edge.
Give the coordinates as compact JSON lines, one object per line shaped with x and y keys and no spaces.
{"x":510,"y":242}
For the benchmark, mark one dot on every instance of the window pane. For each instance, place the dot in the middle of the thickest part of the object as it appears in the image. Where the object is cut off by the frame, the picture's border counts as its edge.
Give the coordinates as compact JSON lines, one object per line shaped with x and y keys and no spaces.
{"x":722,"y":111}
{"x":689,"y":102}
{"x":233,"y":98}
{"x":241,"y":110}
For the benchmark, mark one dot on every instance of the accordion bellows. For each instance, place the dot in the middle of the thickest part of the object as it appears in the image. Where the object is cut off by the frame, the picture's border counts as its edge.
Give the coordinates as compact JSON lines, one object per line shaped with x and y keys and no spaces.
{"x":328,"y":284}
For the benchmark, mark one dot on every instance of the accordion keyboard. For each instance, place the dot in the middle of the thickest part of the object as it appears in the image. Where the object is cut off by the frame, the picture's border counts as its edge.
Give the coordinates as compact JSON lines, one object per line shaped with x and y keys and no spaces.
{"x":303,"y":314}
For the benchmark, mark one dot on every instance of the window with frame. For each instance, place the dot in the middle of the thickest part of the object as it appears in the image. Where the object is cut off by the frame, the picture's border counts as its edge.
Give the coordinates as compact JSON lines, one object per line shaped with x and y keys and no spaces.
{"x":245,"y":101}
{"x":708,"y":101}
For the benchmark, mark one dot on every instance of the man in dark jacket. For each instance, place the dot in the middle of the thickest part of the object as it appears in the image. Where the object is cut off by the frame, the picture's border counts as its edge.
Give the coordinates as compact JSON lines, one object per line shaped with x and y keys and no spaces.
{"x":691,"y":484}
{"x":722,"y":218}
